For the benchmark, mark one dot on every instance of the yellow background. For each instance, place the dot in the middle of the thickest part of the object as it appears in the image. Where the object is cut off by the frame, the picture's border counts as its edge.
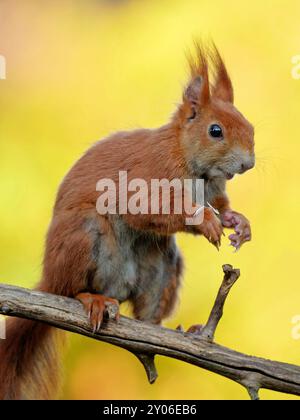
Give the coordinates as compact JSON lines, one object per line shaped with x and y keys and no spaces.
{"x":78,"y":70}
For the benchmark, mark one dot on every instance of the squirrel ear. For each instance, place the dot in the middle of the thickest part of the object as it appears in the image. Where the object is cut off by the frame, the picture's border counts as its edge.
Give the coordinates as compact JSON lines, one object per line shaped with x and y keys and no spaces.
{"x":197,"y":92}
{"x":222,"y":88}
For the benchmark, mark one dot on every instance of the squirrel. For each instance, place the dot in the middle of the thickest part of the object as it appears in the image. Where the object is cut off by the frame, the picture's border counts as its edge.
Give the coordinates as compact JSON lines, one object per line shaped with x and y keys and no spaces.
{"x":99,"y":259}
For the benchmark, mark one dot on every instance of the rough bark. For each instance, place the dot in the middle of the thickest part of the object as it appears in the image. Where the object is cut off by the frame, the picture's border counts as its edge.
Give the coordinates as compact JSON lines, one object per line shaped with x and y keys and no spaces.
{"x":146,"y":341}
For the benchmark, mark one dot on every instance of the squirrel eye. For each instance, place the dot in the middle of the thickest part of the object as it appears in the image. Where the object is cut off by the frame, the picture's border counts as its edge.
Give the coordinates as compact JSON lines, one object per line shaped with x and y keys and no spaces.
{"x":215,"y":131}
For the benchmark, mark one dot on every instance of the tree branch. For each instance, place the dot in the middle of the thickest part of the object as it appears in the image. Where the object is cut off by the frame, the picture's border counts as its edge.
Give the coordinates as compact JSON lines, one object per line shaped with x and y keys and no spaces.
{"x":230,"y":277}
{"x":145,"y":340}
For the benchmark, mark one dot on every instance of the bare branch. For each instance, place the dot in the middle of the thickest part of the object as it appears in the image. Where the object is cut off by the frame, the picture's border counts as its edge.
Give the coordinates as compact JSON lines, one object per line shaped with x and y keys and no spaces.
{"x":145,"y":340}
{"x":147,"y":361}
{"x":253,"y":392}
{"x":230,"y":277}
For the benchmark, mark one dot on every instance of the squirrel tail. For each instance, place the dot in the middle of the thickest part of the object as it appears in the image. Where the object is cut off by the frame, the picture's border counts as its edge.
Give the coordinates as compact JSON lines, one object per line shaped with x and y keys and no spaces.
{"x":29,"y":361}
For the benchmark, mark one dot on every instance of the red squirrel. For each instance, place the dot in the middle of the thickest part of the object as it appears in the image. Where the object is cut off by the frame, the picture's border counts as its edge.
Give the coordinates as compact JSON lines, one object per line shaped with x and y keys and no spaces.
{"x":115,"y":258}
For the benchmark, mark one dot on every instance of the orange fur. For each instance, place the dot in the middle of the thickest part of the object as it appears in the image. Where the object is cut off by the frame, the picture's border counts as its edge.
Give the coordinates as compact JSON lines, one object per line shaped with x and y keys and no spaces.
{"x":183,"y":148}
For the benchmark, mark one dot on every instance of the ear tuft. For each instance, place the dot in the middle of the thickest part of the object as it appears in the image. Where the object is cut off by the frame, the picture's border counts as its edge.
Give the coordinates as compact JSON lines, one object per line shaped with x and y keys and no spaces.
{"x":222,"y":88}
{"x":197,"y":92}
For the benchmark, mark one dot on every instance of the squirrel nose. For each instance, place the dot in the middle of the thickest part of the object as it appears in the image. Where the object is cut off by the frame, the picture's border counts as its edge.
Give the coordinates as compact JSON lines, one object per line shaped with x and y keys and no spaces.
{"x":245,"y":166}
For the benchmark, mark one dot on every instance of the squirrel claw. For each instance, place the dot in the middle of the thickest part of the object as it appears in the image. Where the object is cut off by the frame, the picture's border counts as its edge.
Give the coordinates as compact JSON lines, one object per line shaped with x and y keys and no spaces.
{"x":217,"y":245}
{"x":96,"y":307}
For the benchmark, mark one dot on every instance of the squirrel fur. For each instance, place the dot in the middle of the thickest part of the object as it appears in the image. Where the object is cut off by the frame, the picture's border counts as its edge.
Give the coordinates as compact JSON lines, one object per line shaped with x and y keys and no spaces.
{"x":117,"y":258}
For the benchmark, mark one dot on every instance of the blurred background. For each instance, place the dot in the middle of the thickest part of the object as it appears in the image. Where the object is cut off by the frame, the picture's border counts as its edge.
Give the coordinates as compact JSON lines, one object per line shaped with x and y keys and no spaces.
{"x":79,"y":70}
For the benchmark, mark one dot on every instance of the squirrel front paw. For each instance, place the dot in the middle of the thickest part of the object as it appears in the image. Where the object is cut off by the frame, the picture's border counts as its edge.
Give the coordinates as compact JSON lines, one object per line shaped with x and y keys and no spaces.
{"x":96,"y":307}
{"x":241,"y":226}
{"x":211,"y":227}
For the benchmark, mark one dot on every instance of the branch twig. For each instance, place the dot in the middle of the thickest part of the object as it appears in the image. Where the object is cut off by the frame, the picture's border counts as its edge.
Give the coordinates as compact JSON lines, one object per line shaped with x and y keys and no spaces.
{"x":145,"y":340}
{"x":230,"y":277}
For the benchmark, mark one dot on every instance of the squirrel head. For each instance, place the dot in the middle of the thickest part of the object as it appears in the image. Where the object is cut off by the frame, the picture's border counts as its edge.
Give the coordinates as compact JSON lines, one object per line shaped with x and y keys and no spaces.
{"x":216,"y":139}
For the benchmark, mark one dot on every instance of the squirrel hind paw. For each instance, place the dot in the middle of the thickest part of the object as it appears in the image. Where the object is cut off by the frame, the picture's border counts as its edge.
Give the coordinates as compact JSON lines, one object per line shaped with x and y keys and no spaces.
{"x":99,"y":308}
